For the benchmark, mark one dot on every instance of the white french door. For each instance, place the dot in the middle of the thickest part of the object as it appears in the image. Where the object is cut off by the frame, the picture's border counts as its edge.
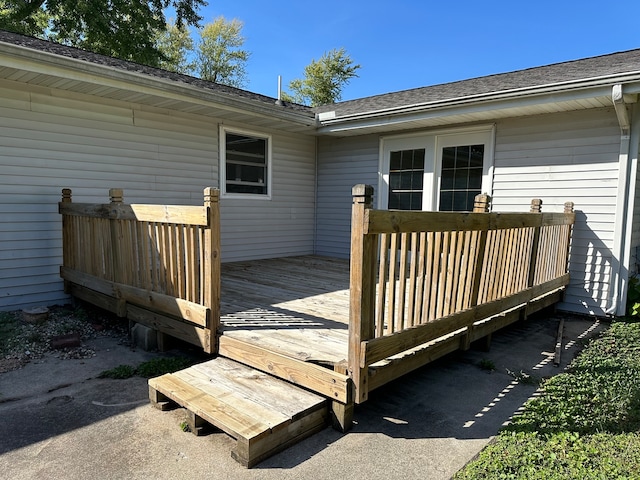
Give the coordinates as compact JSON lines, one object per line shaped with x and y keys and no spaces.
{"x":436,"y":171}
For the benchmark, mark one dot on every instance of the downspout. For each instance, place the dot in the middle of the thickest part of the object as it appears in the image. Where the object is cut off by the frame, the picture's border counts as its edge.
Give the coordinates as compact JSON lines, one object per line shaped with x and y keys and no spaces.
{"x":617,"y":294}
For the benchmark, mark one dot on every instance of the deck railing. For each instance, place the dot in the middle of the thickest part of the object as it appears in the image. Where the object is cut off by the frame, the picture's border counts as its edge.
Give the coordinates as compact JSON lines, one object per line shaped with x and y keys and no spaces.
{"x":156,"y":264}
{"x":419,"y":276}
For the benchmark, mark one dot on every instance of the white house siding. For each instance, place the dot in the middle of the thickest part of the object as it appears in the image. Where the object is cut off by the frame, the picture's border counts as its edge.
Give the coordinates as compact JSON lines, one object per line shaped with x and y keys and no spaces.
{"x":557,"y":157}
{"x":634,"y":263}
{"x":342,"y":163}
{"x":566,"y":157}
{"x":49,"y":140}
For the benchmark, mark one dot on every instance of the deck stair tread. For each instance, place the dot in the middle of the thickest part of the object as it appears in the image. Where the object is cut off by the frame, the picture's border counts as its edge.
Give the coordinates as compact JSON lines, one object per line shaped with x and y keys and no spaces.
{"x":264,"y":414}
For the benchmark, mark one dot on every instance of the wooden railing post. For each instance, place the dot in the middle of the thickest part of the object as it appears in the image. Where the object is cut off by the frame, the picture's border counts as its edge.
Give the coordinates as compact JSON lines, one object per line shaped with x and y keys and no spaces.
{"x":362,"y":288}
{"x":211,"y":281}
{"x":66,"y":238}
{"x":116,"y":198}
{"x":536,"y":205}
{"x":481,"y":203}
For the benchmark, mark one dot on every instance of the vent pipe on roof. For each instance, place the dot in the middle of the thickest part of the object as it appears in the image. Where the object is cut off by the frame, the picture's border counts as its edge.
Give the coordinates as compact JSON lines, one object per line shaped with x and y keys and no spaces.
{"x":279,"y":100}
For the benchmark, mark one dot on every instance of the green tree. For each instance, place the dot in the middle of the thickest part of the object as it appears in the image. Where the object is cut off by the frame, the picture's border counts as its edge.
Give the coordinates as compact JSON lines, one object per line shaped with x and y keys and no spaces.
{"x":125,"y":29}
{"x":220,"y":57}
{"x":176,"y":45}
{"x":324,"y":79}
{"x":34,"y":24}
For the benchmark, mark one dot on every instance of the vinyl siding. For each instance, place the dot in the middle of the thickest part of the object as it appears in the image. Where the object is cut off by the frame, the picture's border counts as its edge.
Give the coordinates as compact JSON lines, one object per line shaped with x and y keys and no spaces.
{"x":342,"y":163}
{"x":50,"y":140}
{"x":557,"y":157}
{"x":634,"y":263}
{"x":566,"y":157}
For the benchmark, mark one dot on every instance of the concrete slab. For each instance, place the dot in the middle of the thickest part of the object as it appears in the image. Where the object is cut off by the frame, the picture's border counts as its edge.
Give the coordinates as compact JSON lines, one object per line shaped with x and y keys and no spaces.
{"x":61,"y":422}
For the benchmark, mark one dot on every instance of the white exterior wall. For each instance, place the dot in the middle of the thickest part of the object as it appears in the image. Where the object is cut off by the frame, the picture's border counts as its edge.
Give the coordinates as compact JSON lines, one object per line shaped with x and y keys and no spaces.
{"x":342,"y":163}
{"x":566,"y":157}
{"x":557,"y":157}
{"x":49,"y":141}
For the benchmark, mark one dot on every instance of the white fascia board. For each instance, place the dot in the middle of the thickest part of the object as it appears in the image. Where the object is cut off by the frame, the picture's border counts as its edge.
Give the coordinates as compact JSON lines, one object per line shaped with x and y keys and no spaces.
{"x":597,"y":87}
{"x":45,"y":63}
{"x":464,"y":108}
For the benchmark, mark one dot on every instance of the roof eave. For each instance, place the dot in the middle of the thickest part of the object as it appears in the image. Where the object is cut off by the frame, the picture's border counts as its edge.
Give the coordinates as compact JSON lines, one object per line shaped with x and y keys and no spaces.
{"x":599,"y":87}
{"x":47,"y":63}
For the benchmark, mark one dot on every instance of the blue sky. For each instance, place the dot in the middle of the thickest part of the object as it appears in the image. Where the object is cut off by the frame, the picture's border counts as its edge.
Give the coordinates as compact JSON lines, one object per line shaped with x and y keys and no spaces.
{"x":408,"y":44}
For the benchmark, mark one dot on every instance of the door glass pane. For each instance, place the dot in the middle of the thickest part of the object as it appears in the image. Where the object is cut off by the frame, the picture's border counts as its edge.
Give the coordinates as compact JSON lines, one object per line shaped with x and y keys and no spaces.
{"x":461,"y":177}
{"x":406,"y":177}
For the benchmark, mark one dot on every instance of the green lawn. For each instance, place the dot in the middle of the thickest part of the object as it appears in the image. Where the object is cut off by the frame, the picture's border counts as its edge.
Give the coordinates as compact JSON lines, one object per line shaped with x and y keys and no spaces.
{"x":584,"y":425}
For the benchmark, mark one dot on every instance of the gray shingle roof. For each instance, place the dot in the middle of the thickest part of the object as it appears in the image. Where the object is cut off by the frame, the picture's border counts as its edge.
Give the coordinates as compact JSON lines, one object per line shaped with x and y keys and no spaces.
{"x":94,"y":58}
{"x":593,"y":67}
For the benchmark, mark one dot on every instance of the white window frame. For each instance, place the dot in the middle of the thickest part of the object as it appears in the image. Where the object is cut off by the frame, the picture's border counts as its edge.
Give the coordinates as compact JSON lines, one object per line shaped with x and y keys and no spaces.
{"x":223,"y":163}
{"x":434,"y":141}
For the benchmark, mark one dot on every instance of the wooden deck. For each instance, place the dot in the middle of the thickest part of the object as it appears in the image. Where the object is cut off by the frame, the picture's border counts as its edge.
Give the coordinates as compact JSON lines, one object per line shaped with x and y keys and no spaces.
{"x":295,"y":306}
{"x":418,"y":285}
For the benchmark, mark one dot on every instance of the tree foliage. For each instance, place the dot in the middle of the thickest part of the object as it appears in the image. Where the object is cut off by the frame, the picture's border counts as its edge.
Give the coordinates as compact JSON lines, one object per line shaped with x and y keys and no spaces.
{"x":176,"y":45}
{"x":125,"y":29}
{"x":220,"y":57}
{"x":33,"y":23}
{"x":324,"y":79}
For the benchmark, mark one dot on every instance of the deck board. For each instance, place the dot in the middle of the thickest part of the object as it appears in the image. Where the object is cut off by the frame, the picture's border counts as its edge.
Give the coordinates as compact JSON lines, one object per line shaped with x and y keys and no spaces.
{"x":296,"y":306}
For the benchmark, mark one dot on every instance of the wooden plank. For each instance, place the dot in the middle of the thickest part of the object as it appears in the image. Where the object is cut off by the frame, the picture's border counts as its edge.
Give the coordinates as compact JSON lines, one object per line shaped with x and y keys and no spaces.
{"x":390,"y":301}
{"x":402,"y":282}
{"x":250,"y":454}
{"x":392,"y":369}
{"x":322,"y":380}
{"x":95,"y":298}
{"x":176,"y":214}
{"x":420,"y":282}
{"x":184,"y":331}
{"x":256,"y":390}
{"x":379,"y":348}
{"x":176,"y":307}
{"x":382,"y":284}
{"x":263,"y":414}
{"x":217,"y":412}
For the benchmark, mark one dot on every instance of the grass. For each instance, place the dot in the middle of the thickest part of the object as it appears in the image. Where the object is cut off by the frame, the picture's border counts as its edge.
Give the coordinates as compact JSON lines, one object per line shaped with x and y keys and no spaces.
{"x":584,"y":425}
{"x":151,"y":368}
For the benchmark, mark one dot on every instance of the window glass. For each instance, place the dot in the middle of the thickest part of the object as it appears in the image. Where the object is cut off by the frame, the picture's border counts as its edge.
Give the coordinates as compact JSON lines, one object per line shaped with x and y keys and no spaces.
{"x":246,"y":163}
{"x":461,"y":177}
{"x":406,"y":178}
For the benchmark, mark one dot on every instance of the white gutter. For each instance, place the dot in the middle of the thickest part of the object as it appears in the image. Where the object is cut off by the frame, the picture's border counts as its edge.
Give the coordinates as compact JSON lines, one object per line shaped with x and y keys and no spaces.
{"x":624,"y":206}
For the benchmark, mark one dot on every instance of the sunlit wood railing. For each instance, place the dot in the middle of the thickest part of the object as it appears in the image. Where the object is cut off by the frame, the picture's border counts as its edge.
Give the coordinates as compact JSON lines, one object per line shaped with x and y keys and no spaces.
{"x":156,"y":264}
{"x":418,"y":276}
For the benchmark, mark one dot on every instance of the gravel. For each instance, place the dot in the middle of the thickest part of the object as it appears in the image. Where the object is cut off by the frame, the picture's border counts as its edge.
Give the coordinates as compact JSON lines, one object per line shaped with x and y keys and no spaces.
{"x":22,"y":342}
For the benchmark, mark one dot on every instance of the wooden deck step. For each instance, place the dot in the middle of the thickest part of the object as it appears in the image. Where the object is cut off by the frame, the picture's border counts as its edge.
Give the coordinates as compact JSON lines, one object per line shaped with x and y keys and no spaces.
{"x":264,"y":414}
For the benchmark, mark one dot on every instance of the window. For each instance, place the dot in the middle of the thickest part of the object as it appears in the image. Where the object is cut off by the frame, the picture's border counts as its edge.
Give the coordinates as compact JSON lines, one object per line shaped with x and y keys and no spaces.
{"x":436,"y":170}
{"x":406,"y":175}
{"x":245,"y":163}
{"x":461,"y":177}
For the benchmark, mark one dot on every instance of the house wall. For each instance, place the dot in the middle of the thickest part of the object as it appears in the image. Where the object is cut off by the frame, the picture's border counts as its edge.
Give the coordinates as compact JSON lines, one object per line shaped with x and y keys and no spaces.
{"x":567,"y":157}
{"x":342,"y":163}
{"x":557,"y":157}
{"x":50,"y":140}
